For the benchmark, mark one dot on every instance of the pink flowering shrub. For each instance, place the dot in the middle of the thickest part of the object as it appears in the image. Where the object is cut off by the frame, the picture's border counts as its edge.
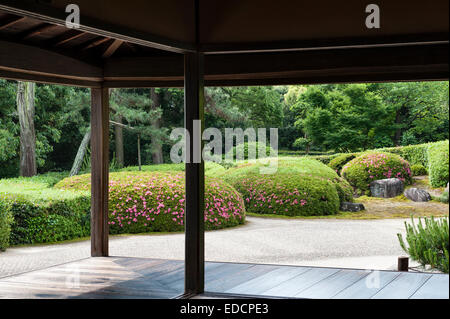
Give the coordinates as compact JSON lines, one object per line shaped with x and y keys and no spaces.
{"x":154,"y":202}
{"x":363,"y":170}
{"x":300,"y":187}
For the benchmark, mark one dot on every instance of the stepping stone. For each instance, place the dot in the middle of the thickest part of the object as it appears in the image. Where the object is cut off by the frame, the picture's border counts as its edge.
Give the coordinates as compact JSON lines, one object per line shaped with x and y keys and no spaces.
{"x":351,"y":207}
{"x":387,"y":188}
{"x":417,"y":195}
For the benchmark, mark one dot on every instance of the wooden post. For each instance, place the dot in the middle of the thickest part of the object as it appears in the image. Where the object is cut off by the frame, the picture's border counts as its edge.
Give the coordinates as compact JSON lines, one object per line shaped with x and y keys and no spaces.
{"x":195,"y":175}
{"x":99,"y":171}
{"x":403,"y":264}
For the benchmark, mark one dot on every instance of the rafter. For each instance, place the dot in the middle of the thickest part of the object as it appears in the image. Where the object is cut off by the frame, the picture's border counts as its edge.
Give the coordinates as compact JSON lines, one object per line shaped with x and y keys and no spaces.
{"x":38,"y":30}
{"x":10,"y":22}
{"x":67,"y":37}
{"x":94,"y":43}
{"x":112,"y":48}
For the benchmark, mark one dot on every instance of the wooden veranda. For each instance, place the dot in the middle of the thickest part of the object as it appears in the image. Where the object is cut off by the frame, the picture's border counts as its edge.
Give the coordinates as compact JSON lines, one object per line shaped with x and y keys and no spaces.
{"x":197,"y":43}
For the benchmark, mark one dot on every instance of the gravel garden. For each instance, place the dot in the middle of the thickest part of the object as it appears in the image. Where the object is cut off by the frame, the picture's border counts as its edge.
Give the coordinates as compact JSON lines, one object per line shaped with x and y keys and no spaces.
{"x":51,"y":208}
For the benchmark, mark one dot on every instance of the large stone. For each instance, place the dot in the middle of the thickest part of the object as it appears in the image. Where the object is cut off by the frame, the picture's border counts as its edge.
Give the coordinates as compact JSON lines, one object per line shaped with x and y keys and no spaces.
{"x":417,"y":195}
{"x":387,"y":188}
{"x":352,"y":207}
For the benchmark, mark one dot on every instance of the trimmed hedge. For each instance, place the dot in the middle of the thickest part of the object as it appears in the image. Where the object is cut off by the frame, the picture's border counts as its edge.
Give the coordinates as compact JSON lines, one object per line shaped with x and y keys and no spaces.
{"x":42,"y":215}
{"x":154,"y":202}
{"x":300,"y":187}
{"x":438,"y":163}
{"x":414,"y":154}
{"x":338,"y":162}
{"x":244,"y":147}
{"x":5,"y":226}
{"x":363,"y":170}
{"x":418,"y":170}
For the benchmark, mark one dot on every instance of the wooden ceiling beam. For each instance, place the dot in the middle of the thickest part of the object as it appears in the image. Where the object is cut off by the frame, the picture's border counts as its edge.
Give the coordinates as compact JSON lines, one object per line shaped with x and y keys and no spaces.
{"x":10,"y":22}
{"x":42,"y":64}
{"x":94,"y":43}
{"x":38,"y":30}
{"x":112,"y":48}
{"x":67,"y":37}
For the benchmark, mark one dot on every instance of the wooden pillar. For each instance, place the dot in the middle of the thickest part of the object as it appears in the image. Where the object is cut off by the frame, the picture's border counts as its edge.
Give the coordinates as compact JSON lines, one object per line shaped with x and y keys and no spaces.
{"x":99,"y":171}
{"x":195,"y":175}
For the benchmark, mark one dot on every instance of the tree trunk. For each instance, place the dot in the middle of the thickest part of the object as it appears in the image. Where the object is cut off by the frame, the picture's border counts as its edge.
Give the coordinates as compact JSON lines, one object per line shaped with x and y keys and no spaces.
{"x":156,"y":146}
{"x":398,"y":131}
{"x":25,"y":108}
{"x":80,"y":154}
{"x":118,"y":134}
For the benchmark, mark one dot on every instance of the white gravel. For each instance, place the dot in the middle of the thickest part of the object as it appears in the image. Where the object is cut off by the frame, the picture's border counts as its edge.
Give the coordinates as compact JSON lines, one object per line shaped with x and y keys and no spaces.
{"x":367,"y":244}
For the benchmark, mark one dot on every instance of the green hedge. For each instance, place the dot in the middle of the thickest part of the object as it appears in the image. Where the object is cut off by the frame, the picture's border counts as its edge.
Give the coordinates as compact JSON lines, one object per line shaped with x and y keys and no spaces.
{"x":364,"y":169}
{"x":300,"y":187}
{"x":418,"y":170}
{"x":414,"y":154}
{"x":154,"y":201}
{"x":428,"y":243}
{"x":5,"y":226}
{"x":438,"y":163}
{"x":243,"y":149}
{"x":338,"y":162}
{"x":42,"y":215}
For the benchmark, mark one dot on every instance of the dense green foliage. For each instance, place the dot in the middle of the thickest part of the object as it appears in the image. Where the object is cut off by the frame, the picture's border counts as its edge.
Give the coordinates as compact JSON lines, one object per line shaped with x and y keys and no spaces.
{"x":338,"y":162}
{"x":243,"y":150}
{"x":357,"y":117}
{"x":418,"y":170}
{"x":364,"y":169}
{"x":414,"y":154}
{"x":154,"y":201}
{"x":311,"y":119}
{"x":300,"y":187}
{"x":428,"y":243}
{"x":5,"y":226}
{"x":438,"y":165}
{"x":42,"y":214}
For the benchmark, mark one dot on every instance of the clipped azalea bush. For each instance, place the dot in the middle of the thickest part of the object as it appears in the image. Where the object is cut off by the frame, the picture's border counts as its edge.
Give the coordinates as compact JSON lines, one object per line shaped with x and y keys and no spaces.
{"x":369,"y":167}
{"x":298,"y":187}
{"x":338,"y":162}
{"x":154,"y":201}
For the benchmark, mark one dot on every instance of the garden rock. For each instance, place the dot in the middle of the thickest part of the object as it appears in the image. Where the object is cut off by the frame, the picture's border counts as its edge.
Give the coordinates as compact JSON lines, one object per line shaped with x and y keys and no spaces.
{"x":417,"y":195}
{"x":387,"y":188}
{"x":351,"y":207}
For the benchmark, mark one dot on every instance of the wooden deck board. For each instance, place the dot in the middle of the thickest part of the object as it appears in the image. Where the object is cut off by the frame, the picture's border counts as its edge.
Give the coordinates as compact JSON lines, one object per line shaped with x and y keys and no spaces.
{"x":436,"y":288}
{"x":140,"y":278}
{"x":403,"y":287}
{"x":368,"y":286}
{"x":332,"y":285}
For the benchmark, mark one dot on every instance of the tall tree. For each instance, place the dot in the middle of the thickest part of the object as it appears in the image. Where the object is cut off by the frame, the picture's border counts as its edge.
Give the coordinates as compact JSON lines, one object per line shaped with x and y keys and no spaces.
{"x":26,"y":110}
{"x":156,"y":142}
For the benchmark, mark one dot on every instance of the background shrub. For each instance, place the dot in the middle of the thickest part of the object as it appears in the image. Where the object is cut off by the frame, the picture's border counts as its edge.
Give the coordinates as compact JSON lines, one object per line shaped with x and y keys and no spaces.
{"x":438,"y":163}
{"x":428,"y":244}
{"x":244,"y":147}
{"x":300,"y":187}
{"x":5,"y":226}
{"x":362,"y":170}
{"x":444,"y":197}
{"x":42,"y":214}
{"x":154,"y":201}
{"x":338,"y":162}
{"x":414,"y":154}
{"x":418,"y":170}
